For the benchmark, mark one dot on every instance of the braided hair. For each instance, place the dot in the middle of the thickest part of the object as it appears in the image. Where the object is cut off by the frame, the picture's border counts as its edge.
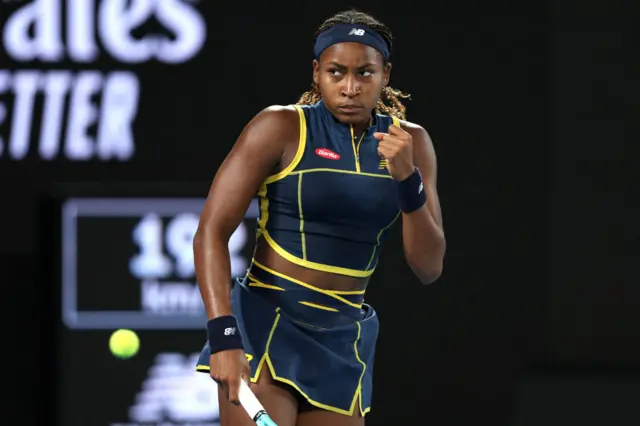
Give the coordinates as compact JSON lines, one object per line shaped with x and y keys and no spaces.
{"x":389,"y":102}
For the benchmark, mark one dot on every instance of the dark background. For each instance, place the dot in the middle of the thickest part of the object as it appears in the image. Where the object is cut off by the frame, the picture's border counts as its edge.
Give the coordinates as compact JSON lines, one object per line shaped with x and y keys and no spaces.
{"x":529,"y":104}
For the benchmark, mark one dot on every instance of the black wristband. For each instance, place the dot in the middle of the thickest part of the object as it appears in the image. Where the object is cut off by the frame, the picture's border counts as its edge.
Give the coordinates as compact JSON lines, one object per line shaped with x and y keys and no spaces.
{"x":411,"y":193}
{"x":224,"y":334}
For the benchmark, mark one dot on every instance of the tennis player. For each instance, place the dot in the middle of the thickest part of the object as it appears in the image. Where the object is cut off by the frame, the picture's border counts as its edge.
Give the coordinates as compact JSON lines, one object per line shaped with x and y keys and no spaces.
{"x":333,"y":173}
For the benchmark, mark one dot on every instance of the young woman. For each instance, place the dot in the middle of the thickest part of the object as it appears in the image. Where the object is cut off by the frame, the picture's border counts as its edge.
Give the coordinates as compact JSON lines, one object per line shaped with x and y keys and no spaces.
{"x":333,"y":174}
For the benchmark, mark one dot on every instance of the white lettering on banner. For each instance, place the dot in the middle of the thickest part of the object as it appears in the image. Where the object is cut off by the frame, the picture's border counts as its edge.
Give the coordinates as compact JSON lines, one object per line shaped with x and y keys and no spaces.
{"x":175,"y":394}
{"x":152,"y":263}
{"x":171,"y":298}
{"x":113,"y":115}
{"x":51,"y":32}
{"x":117,"y":22}
{"x":117,"y":19}
{"x":166,"y":252}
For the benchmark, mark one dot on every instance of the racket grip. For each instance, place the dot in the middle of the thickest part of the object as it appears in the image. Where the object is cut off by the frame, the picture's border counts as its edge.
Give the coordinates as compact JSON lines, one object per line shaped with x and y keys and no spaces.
{"x":249,"y":401}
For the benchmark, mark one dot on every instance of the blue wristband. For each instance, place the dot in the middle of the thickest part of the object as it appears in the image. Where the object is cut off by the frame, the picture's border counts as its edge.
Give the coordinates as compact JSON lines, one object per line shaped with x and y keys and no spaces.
{"x":224,"y":334}
{"x":411,"y":193}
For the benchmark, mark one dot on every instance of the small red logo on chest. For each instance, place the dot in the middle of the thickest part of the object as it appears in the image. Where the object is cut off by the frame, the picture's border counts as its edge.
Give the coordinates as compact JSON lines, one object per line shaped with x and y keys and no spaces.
{"x":326,"y":153}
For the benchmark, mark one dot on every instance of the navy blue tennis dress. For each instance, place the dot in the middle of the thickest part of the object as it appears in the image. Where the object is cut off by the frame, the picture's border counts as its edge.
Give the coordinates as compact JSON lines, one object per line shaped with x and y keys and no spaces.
{"x":329,"y":210}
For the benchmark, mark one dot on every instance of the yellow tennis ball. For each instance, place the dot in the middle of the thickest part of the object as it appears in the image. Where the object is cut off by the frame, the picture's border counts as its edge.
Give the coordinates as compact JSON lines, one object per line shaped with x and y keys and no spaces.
{"x":124,"y":343}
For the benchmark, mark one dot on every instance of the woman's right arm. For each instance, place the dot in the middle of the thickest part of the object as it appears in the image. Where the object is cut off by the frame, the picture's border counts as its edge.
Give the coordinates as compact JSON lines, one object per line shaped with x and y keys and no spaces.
{"x":258,"y":150}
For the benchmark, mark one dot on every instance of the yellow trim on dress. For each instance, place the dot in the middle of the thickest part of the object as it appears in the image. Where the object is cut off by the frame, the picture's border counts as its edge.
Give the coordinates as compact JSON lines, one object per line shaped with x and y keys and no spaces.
{"x":254,"y":282}
{"x":349,"y":172}
{"x":313,"y":265}
{"x":302,"y":142}
{"x":357,"y":397}
{"x":378,"y":238}
{"x":329,"y":293}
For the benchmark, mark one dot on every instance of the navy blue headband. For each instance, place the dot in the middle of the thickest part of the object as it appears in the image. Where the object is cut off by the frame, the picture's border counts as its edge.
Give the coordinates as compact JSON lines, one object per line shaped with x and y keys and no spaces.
{"x":350,"y":32}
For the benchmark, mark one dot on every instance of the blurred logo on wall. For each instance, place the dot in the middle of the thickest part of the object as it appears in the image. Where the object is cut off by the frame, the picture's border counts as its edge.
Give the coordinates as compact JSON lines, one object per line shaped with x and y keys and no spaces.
{"x":72,"y":92}
{"x":174,"y":394}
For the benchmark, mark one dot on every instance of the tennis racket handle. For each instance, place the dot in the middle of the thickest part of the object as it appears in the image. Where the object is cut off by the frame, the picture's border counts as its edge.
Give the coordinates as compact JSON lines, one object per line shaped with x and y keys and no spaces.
{"x":249,"y":401}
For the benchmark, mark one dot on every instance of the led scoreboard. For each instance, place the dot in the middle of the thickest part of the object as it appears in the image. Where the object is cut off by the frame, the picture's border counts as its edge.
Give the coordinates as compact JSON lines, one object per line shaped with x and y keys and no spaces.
{"x":128,"y":262}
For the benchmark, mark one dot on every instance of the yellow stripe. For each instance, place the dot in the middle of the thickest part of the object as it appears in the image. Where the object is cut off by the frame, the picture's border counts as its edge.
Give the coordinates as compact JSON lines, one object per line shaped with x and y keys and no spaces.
{"x":364,"y":368}
{"x":396,"y":121}
{"x":380,"y":235}
{"x":347,"y":291}
{"x":315,"y":305}
{"x":350,"y":172}
{"x":301,"y":145}
{"x":313,"y":265}
{"x":309,"y":286}
{"x":337,"y":292}
{"x":270,"y":287}
{"x":302,"y":236}
{"x":255,"y":283}
{"x":355,"y":154}
{"x":356,"y":150}
{"x":358,"y":147}
{"x":266,"y":349}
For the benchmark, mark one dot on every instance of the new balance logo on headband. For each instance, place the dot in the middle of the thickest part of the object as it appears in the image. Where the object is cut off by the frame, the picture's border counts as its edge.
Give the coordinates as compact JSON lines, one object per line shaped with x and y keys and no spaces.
{"x":356,"y":31}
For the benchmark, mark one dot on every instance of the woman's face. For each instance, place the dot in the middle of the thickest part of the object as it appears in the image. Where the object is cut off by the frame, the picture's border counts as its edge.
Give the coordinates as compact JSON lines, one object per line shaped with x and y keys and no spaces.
{"x":350,"y":77}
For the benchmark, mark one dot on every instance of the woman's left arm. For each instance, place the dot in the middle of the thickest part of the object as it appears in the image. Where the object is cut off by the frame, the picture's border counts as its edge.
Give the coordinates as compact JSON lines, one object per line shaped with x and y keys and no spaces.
{"x":406,"y":149}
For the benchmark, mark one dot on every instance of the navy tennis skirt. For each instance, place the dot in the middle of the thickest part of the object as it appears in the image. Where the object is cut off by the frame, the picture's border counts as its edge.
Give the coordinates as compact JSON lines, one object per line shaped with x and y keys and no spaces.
{"x":320,"y":342}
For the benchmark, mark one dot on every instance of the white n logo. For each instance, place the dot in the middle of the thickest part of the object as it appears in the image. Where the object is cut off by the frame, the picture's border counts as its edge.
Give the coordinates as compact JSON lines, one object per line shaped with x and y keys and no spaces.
{"x":175,"y":394}
{"x":356,"y":31}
